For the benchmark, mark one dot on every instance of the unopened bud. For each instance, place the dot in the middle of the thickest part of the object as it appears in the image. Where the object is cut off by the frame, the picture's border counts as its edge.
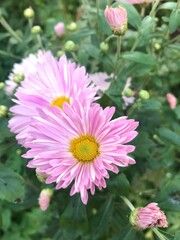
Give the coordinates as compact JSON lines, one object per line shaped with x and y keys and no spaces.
{"x":128,"y":92}
{"x":41,"y":176}
{"x":72,"y":26}
{"x":3,"y":110}
{"x":18,"y":152}
{"x":60,"y":53}
{"x":70,"y":46}
{"x":18,"y":77}
{"x":36,"y":29}
{"x":143,"y":94}
{"x":157,"y":46}
{"x":44,"y":198}
{"x":29,"y":13}
{"x":104,"y":46}
{"x":94,"y":211}
{"x":2,"y":85}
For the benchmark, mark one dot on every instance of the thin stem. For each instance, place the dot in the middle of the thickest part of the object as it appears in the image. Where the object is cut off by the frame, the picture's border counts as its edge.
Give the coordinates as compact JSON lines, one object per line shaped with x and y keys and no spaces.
{"x":108,"y":38}
{"x":178,"y":5}
{"x":155,"y":4}
{"x":160,"y":235}
{"x":119,"y":42}
{"x":142,"y":11}
{"x":9,"y":29}
{"x":135,"y":43}
{"x":40,"y":41}
{"x":128,"y":203}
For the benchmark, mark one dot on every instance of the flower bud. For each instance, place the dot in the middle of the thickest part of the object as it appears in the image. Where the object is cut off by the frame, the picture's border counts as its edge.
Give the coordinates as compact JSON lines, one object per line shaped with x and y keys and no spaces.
{"x":117,"y":19}
{"x":41,"y":176}
{"x":36,"y":29}
{"x":18,"y":77}
{"x":2,"y":85}
{"x":148,"y":217}
{"x":157,"y":46}
{"x":143,"y":94}
{"x":59,"y":29}
{"x":60,"y":53}
{"x":128,"y":92}
{"x":70,"y":46}
{"x":104,"y":46}
{"x":3,"y":110}
{"x":72,"y":26}
{"x":172,"y":100}
{"x":44,"y":198}
{"x":29,"y":13}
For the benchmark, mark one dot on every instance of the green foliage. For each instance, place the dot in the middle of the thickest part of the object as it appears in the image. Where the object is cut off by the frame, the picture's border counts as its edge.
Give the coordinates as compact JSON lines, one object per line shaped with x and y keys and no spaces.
{"x":150,"y":57}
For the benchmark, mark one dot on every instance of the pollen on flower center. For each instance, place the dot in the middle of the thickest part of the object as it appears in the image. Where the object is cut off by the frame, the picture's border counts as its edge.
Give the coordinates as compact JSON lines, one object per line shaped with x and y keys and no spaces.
{"x":59,"y":101}
{"x":84,"y":148}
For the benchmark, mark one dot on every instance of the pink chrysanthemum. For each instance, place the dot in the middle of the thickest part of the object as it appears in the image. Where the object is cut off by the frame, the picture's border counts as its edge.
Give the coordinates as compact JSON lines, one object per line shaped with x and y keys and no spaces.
{"x":100,"y":80}
{"x":80,"y":145}
{"x":135,"y":1}
{"x":148,"y":217}
{"x":54,"y":83}
{"x":26,"y":67}
{"x":59,"y":29}
{"x":172,"y":100}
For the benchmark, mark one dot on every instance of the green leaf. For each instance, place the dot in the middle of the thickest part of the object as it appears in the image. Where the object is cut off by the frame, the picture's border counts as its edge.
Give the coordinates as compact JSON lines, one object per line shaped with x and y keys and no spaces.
{"x":168,"y":5}
{"x":119,"y":185}
{"x":74,"y":220}
{"x":151,"y":104}
{"x":134,"y":18}
{"x":6,"y":219}
{"x":174,"y":20}
{"x":177,"y":236}
{"x":169,"y":195}
{"x":127,"y":233}
{"x":11,"y":185}
{"x":103,"y":25}
{"x":146,"y":27}
{"x":139,"y":57}
{"x":92,"y":51}
{"x":169,"y":136}
{"x":177,"y":112}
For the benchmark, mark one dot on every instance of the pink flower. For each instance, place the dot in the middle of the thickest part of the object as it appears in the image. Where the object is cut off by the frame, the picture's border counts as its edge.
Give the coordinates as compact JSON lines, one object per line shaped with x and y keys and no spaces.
{"x":117,"y":19}
{"x":79,"y":146}
{"x":54,"y":83}
{"x":135,"y":1}
{"x":172,"y":100}
{"x":59,"y":29}
{"x":44,"y":198}
{"x":26,"y":67}
{"x":100,"y":80}
{"x":148,"y":217}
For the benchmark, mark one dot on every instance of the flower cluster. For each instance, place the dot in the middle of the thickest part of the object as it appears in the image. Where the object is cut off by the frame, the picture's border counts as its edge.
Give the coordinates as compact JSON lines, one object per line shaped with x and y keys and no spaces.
{"x":71,"y":139}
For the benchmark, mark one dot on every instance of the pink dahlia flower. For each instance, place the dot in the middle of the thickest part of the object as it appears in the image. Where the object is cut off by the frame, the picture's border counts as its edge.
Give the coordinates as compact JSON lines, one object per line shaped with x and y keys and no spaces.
{"x":148,"y":217}
{"x":44,"y":198}
{"x":117,"y":19}
{"x":80,"y":145}
{"x":172,"y":100}
{"x":26,"y":67}
{"x":59,"y":29}
{"x":54,"y":83}
{"x":135,"y":1}
{"x":100,"y":80}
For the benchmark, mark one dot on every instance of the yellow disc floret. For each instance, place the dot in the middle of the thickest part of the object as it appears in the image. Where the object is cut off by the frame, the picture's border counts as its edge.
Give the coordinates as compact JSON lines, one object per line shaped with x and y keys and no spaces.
{"x":59,"y":101}
{"x":84,"y":148}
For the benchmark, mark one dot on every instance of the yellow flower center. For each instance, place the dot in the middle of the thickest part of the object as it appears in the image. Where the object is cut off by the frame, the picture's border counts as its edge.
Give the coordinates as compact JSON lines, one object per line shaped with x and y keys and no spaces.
{"x":84,"y":148}
{"x":59,"y":101}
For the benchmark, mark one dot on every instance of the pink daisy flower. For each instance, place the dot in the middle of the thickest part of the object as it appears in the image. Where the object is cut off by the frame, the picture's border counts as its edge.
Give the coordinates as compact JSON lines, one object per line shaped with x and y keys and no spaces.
{"x":54,"y":83}
{"x":148,"y":217}
{"x":26,"y":67}
{"x":79,"y":146}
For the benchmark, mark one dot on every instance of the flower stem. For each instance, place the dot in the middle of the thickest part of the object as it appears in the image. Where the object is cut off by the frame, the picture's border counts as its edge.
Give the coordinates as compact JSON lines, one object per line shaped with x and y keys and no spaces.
{"x":108,"y":38}
{"x":153,"y":10}
{"x":128,"y":203}
{"x":119,"y":42}
{"x":9,"y":29}
{"x":178,"y":5}
{"x":40,"y":41}
{"x":160,"y":235}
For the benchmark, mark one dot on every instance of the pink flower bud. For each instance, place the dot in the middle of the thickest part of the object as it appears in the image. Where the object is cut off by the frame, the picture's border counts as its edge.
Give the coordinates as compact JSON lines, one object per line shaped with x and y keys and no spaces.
{"x":135,"y":1}
{"x":117,"y":19}
{"x":44,"y":198}
{"x":59,"y":29}
{"x":148,"y":217}
{"x":172,"y":100}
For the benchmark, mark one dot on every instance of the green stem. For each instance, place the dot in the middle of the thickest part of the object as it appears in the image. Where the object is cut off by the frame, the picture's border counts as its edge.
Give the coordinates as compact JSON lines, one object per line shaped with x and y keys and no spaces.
{"x":128,"y":203}
{"x":135,"y":43}
{"x":108,"y":38}
{"x":40,"y":41}
{"x":9,"y":29}
{"x":119,"y":42}
{"x":178,"y":5}
{"x":160,"y":235}
{"x":153,"y":10}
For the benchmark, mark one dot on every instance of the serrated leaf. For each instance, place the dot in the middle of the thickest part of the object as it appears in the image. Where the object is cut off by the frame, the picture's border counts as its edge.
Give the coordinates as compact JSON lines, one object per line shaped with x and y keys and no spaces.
{"x":140,"y":57}
{"x":11,"y":185}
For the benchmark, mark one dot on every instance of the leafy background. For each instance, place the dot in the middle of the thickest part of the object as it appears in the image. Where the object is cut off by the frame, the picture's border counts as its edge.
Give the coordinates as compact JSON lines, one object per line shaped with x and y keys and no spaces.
{"x":150,"y":54}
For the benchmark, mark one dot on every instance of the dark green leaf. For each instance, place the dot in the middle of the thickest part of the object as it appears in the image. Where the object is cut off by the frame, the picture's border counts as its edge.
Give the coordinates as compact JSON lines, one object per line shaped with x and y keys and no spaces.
{"x":92,"y":51}
{"x":174,"y":20}
{"x":177,"y":111}
{"x":119,"y":185}
{"x":169,"y":136}
{"x":140,"y":57}
{"x":152,"y":105}
{"x":103,"y":25}
{"x":11,"y":185}
{"x":177,"y":236}
{"x":128,"y":233}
